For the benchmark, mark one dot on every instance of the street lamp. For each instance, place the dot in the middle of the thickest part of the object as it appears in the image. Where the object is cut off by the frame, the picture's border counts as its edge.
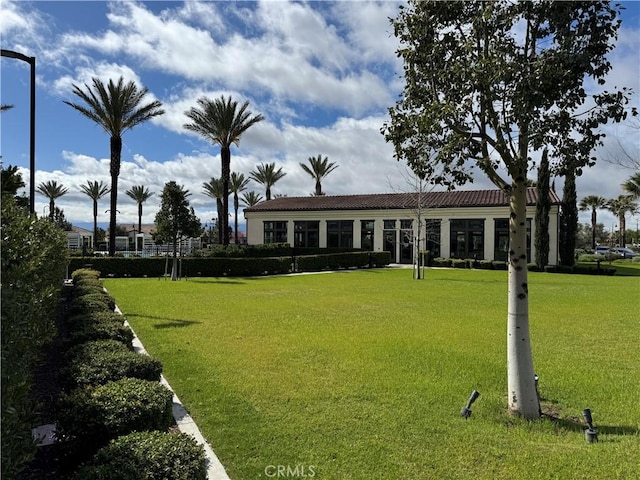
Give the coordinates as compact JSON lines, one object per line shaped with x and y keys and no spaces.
{"x":32,"y":135}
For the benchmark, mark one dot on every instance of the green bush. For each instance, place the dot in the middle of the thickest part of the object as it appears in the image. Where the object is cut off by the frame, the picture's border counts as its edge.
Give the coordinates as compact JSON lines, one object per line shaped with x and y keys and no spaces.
{"x":500,"y":265}
{"x":80,"y":274}
{"x":441,"y":262}
{"x":458,"y":263}
{"x":93,"y":416}
{"x":98,"y":325}
{"x":484,"y":264}
{"x":148,"y":456}
{"x":96,"y":363}
{"x":92,"y":302}
{"x":33,"y":266}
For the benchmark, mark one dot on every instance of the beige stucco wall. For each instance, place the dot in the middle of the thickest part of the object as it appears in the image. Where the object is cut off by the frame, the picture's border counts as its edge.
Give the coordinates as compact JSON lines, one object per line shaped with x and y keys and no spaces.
{"x":255,"y":232}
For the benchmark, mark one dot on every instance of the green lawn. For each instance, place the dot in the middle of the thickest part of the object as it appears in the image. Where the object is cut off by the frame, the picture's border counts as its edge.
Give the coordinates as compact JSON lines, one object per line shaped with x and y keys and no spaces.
{"x":362,"y":375}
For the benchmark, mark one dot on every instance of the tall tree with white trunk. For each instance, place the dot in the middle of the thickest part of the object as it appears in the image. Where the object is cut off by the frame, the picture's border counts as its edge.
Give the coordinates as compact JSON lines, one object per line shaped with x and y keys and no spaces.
{"x":487,"y":85}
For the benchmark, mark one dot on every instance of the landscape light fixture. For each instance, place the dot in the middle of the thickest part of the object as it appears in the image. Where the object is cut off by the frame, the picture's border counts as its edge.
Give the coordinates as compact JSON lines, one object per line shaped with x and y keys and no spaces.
{"x":466,"y":410}
{"x":591,"y":433}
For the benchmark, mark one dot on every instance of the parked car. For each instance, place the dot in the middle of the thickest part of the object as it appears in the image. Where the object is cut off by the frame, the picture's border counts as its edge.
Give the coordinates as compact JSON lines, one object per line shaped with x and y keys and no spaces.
{"x":603,"y":250}
{"x":624,"y":252}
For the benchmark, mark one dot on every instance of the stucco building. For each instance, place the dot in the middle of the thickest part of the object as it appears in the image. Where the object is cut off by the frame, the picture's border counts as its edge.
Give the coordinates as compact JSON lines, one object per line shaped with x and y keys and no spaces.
{"x":457,"y":224}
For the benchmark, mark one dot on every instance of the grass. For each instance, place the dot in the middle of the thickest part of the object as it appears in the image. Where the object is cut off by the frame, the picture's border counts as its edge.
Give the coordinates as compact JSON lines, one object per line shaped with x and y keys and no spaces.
{"x":362,"y":375}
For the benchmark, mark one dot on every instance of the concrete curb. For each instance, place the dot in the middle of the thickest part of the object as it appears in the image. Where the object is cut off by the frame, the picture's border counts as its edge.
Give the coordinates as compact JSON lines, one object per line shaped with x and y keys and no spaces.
{"x":215,"y":469}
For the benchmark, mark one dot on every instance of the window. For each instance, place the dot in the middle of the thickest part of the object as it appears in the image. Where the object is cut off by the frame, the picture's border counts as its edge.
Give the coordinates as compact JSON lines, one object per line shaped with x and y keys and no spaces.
{"x":275,"y":232}
{"x":366,"y":234}
{"x":467,"y":238}
{"x":340,"y":233}
{"x":432,"y":235}
{"x":306,"y":234}
{"x":389,"y":224}
{"x":501,"y":243}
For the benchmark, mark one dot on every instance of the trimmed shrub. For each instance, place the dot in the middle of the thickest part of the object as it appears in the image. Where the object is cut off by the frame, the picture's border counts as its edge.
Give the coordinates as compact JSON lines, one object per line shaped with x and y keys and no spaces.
{"x":96,"y":363}
{"x":101,"y":325}
{"x":441,"y":262}
{"x":160,"y":455}
{"x":84,"y":274}
{"x":484,"y":264}
{"x":93,"y":416}
{"x":458,"y":263}
{"x":92,"y":302}
{"x":500,"y":265}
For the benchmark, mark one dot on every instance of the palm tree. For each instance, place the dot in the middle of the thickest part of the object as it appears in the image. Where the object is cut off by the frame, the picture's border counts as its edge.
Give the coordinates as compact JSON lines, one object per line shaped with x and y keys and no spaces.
{"x":238,"y":184}
{"x":52,"y":190}
{"x":221,"y":122}
{"x":620,"y":207}
{"x":249,"y":199}
{"x":213,"y":189}
{"x":632,"y":186}
{"x":267,"y":175}
{"x":116,"y":107}
{"x":140,"y":194}
{"x":320,"y":168}
{"x":95,"y":191}
{"x":593,"y":203}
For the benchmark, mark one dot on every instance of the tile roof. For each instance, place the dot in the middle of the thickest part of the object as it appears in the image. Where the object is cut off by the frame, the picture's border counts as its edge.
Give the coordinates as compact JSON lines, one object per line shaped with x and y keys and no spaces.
{"x":378,"y":201}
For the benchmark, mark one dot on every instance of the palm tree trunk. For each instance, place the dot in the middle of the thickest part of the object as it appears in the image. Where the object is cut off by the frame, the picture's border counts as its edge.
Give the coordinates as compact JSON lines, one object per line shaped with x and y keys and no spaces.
{"x":219,"y":206}
{"x":139,"y":218}
{"x":235,"y":210}
{"x":318,"y":188}
{"x":116,"y":151}
{"x":593,"y":228}
{"x":52,"y":208}
{"x":225,"y":152}
{"x":623,"y":230}
{"x":95,"y":224}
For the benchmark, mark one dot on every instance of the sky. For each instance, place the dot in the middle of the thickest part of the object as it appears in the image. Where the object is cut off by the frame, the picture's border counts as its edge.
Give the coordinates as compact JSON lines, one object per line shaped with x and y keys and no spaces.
{"x":323,"y":74}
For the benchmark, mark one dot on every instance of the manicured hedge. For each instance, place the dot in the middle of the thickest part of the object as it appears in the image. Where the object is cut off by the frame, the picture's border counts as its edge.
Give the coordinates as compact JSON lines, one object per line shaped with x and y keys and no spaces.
{"x":102,"y":361}
{"x":93,"y":416}
{"x":87,"y":329}
{"x":225,"y":266}
{"x":160,"y":455}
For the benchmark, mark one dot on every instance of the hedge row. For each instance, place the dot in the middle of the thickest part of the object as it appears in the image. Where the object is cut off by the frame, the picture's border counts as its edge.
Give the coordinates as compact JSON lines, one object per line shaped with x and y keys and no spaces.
{"x":232,"y":267}
{"x":114,"y":416}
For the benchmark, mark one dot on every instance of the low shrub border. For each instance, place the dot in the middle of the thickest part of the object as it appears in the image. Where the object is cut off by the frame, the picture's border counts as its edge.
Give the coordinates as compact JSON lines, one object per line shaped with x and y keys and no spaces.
{"x":160,"y":455}
{"x":99,"y":362}
{"x":93,"y":416}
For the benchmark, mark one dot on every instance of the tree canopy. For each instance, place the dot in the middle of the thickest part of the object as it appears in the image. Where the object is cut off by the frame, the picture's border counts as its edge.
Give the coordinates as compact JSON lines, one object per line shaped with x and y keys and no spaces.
{"x":176,"y":219}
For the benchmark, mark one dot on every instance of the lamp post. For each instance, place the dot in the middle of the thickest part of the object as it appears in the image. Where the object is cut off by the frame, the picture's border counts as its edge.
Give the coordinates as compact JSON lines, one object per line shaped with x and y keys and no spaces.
{"x":32,"y":135}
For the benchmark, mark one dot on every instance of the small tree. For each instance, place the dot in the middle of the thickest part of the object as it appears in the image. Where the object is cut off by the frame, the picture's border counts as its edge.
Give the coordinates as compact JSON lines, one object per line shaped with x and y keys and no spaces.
{"x":176,"y":220}
{"x":492,"y":82}
{"x":543,"y":205}
{"x":568,"y":219}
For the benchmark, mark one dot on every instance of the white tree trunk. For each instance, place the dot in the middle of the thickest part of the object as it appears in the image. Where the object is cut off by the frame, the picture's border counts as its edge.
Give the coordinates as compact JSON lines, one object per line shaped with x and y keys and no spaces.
{"x":523,"y":397}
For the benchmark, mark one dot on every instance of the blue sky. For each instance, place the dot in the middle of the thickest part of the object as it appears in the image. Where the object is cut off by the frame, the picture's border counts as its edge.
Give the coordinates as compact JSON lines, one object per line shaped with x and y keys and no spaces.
{"x":322,"y":73}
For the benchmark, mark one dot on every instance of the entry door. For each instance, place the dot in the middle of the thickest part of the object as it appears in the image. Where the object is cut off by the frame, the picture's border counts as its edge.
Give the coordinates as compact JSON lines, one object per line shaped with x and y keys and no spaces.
{"x":390,"y":243}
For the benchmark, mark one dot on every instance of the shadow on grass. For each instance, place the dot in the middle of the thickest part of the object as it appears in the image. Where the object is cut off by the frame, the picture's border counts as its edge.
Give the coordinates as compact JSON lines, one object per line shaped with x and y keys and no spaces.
{"x":574,"y":424}
{"x":168,"y":322}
